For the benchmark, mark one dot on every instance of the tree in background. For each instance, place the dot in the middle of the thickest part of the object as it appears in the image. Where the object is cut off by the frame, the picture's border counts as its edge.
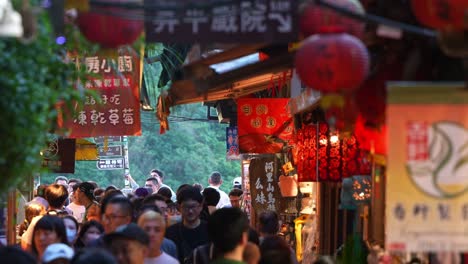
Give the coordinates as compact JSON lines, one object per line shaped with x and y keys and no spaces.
{"x":187,"y":153}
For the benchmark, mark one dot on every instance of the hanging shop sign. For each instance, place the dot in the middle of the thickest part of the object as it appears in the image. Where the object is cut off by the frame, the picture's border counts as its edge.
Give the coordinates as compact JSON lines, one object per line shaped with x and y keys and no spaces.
{"x":110,"y":151}
{"x":232,"y":144}
{"x":427,"y":178}
{"x":116,"y":109}
{"x":264,"y":190}
{"x":265,"y":125}
{"x":59,"y":155}
{"x":110,"y":164}
{"x":221,"y":21}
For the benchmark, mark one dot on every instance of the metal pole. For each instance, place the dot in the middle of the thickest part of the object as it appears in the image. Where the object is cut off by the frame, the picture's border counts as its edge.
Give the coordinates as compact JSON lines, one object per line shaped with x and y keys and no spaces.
{"x":126,"y":162}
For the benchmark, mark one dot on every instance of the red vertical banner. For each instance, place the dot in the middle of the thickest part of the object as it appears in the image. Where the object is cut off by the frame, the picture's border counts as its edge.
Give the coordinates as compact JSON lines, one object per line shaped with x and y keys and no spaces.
{"x":115,"y":110}
{"x":417,"y":141}
{"x":264,"y":125}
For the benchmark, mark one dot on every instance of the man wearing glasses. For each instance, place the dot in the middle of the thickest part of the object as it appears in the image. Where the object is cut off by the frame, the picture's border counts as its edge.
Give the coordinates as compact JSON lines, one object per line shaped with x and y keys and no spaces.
{"x":191,"y":232}
{"x":116,"y":211}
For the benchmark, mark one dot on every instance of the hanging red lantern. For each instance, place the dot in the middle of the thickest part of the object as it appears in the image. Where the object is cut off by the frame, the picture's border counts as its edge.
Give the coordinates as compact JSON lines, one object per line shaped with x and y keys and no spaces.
{"x":322,"y":155}
{"x":441,"y":14}
{"x":372,"y":139}
{"x":332,"y":62}
{"x":109,"y":26}
{"x":316,"y":19}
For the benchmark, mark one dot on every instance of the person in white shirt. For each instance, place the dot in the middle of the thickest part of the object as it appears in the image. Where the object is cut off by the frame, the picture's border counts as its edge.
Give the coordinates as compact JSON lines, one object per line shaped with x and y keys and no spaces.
{"x":154,"y":225}
{"x":78,"y":211}
{"x":215,"y":182}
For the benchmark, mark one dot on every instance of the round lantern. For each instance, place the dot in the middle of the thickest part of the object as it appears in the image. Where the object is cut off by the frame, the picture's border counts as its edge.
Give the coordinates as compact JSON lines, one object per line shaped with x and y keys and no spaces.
{"x":440,"y":14}
{"x":332,"y":62}
{"x":106,"y":27}
{"x":316,"y":19}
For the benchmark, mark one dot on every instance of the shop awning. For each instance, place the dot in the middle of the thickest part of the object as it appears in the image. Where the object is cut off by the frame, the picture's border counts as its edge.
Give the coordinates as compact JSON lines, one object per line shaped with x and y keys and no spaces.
{"x":202,"y":84}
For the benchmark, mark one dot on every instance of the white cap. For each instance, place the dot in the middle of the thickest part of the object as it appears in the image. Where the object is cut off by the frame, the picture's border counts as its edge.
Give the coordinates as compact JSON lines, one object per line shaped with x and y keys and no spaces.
{"x":237,"y":181}
{"x":57,"y":251}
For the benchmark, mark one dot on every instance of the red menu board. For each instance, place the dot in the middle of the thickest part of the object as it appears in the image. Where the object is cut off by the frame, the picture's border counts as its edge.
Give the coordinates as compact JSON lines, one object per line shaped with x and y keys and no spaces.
{"x":115,"y":111}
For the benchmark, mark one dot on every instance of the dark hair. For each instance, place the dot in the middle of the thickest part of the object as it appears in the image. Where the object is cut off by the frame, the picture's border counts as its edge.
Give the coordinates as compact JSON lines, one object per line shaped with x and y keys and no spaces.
{"x":166,"y":192}
{"x":124,"y":203}
{"x":150,"y":199}
{"x":110,"y":188}
{"x":236,"y":192}
{"x":226,"y":227}
{"x":15,"y":255}
{"x":94,"y":184}
{"x":274,"y":250}
{"x":189,"y":193}
{"x":198,"y":186}
{"x":185,"y":185}
{"x":93,"y":256}
{"x":84,"y":228}
{"x":268,"y":222}
{"x":107,"y":196}
{"x":78,"y":181}
{"x":211,"y":196}
{"x":56,"y":195}
{"x":52,"y":223}
{"x":154,"y":180}
{"x":159,"y":172}
{"x":41,"y":190}
{"x":61,"y":178}
{"x":215,"y":178}
{"x":98,"y":193}
{"x":137,"y":203}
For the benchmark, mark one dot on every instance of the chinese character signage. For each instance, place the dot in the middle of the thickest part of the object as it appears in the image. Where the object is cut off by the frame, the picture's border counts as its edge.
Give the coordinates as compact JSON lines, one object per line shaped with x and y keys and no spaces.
{"x":265,"y":193}
{"x":221,"y":21}
{"x":110,"y":164}
{"x":59,"y":155}
{"x":232,"y":144}
{"x":264,"y":125}
{"x":116,"y":82}
{"x":427,"y":183}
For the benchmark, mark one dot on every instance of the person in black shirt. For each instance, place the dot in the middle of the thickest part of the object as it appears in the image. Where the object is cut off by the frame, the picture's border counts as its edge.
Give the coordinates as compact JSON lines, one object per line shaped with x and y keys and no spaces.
{"x":191,"y":232}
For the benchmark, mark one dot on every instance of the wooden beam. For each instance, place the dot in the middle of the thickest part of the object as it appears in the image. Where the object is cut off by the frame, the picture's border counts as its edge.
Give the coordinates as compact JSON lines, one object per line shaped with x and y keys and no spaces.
{"x":251,"y":78}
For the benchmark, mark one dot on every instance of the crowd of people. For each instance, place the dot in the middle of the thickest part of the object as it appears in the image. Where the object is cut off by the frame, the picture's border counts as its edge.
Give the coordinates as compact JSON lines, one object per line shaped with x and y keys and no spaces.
{"x":74,"y":221}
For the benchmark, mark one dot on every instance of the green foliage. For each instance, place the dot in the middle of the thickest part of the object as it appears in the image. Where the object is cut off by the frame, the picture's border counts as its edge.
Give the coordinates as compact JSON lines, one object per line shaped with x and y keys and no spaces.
{"x":187,"y":153}
{"x":34,"y":77}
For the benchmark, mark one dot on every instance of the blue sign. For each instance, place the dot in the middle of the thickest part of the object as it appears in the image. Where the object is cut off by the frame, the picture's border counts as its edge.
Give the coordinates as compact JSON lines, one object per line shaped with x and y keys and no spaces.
{"x":232,"y":144}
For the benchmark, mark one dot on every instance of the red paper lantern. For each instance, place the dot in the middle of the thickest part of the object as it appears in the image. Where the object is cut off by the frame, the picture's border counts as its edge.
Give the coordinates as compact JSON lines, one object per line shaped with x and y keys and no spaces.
{"x":106,"y":27}
{"x":440,"y":14}
{"x":315,"y":19}
{"x":333,"y":158}
{"x":332,"y":62}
